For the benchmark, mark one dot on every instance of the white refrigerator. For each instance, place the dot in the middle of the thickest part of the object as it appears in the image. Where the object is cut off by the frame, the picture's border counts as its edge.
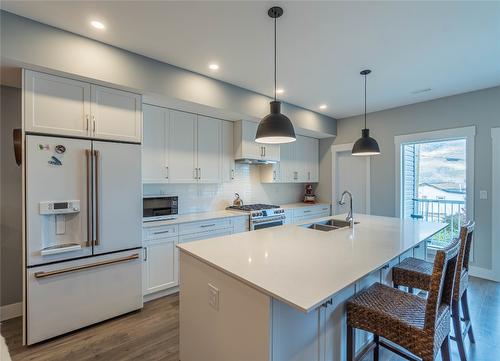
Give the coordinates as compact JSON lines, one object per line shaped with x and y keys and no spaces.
{"x":83,"y":233}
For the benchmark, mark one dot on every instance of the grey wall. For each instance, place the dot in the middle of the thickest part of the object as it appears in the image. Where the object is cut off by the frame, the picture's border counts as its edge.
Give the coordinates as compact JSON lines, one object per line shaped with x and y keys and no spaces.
{"x":479,"y":108}
{"x":28,"y":43}
{"x":10,"y":200}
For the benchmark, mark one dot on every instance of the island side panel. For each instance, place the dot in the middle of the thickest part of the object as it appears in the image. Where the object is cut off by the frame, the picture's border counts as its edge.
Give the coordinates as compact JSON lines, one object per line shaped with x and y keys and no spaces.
{"x":238,"y":328}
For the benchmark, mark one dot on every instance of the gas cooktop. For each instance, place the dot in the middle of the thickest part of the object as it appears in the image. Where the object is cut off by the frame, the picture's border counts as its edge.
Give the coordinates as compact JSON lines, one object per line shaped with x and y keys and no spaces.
{"x":253,"y":207}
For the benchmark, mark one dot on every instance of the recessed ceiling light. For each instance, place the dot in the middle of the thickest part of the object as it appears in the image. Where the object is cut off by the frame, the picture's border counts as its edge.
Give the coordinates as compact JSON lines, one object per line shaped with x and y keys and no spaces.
{"x":97,"y":24}
{"x":280,"y":90}
{"x":213,"y":66}
{"x":322,"y":106}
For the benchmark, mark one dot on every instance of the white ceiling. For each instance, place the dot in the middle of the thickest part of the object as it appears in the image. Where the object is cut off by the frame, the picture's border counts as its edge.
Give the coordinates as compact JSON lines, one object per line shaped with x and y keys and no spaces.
{"x":451,"y":47}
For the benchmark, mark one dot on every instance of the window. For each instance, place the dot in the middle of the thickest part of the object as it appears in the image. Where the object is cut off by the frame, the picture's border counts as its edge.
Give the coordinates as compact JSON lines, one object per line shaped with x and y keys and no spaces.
{"x":435,"y":179}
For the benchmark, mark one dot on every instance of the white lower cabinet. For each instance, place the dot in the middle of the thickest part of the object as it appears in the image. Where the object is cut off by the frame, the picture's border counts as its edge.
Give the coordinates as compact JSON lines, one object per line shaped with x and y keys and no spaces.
{"x":305,"y":213}
{"x":161,"y":258}
{"x":161,"y":255}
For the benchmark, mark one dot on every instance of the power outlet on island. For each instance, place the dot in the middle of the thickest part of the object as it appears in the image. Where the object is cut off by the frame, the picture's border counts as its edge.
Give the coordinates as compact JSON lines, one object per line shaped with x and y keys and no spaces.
{"x":213,"y":297}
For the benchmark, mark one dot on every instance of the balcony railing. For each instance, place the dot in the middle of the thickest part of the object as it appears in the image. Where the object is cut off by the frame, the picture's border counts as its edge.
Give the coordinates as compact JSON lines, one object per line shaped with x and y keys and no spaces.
{"x":441,"y":210}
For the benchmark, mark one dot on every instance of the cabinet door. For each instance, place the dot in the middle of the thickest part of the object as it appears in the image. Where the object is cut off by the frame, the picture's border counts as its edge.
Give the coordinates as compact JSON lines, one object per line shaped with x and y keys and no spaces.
{"x":56,"y":105}
{"x":209,"y":150}
{"x":287,"y":162}
{"x":271,"y":152}
{"x":301,"y":159}
{"x":227,"y":151}
{"x":182,"y":148}
{"x":250,"y":148}
{"x":154,"y":145}
{"x":116,"y":114}
{"x":312,"y":158}
{"x":161,"y":264}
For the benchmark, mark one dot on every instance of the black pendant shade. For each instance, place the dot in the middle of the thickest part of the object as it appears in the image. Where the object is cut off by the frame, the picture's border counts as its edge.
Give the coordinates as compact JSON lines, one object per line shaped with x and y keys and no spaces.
{"x":275,"y":128}
{"x":365,"y":145}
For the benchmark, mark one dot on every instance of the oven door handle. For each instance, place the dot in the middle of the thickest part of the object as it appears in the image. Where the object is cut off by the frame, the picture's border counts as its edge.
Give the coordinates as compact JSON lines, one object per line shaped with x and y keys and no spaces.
{"x":268,"y":220}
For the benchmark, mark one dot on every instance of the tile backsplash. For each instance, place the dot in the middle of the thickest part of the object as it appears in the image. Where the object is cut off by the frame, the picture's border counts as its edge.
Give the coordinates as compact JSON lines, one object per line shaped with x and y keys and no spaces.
{"x":213,"y":197}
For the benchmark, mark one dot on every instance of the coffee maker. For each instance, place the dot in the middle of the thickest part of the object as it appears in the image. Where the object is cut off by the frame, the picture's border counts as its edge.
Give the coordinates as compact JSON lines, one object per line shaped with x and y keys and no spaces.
{"x":309,"y":196}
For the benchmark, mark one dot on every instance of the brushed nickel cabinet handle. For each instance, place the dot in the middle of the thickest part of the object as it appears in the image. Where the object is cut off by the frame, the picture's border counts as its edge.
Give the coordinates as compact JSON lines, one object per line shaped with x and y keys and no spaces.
{"x":199,"y":174}
{"x":87,"y":120}
{"x":232,"y":173}
{"x":93,"y":124}
{"x":97,"y":155}
{"x":145,"y":254}
{"x":161,"y":232}
{"x":207,"y":225}
{"x":167,"y":172}
{"x":43,"y":274}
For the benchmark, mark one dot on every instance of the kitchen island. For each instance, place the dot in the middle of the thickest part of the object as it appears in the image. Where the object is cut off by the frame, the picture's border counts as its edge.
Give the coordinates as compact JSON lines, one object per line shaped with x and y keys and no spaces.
{"x":279,"y":293}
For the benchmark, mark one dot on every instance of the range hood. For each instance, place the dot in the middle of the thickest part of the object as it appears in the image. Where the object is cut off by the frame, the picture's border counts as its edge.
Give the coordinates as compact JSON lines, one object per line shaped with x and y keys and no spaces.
{"x":255,"y":161}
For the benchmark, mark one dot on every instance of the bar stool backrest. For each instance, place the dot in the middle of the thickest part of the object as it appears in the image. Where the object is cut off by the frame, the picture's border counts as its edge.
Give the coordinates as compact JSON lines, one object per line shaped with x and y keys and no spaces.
{"x":466,"y":237}
{"x":442,"y":282}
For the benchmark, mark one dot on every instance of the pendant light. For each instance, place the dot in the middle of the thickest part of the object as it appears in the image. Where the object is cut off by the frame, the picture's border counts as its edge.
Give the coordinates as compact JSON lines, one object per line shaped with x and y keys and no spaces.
{"x":365,"y":145}
{"x":275,"y":127}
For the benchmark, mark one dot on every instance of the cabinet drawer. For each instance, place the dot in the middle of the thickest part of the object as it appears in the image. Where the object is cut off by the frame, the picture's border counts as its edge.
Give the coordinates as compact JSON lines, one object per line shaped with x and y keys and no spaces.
{"x":316,"y":210}
{"x":204,"y":226}
{"x":204,"y":235}
{"x":161,"y":232}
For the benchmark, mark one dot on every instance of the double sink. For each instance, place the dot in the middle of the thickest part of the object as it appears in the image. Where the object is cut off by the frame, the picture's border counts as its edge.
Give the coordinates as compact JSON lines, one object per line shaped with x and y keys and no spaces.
{"x":329,"y":225}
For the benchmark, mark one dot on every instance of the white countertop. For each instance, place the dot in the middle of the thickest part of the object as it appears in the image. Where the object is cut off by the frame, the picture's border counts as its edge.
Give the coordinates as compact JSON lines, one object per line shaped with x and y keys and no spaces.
{"x":304,"y":267}
{"x":194,"y":217}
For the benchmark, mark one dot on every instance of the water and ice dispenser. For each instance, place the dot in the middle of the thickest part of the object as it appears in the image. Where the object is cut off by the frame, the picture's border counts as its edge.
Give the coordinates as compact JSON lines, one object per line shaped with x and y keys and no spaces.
{"x":60,"y":226}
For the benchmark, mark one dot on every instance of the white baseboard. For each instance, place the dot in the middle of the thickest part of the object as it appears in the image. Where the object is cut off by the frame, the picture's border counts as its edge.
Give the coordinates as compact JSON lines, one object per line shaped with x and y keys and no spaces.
{"x":11,"y":311}
{"x":485,"y":273}
{"x":159,"y":294}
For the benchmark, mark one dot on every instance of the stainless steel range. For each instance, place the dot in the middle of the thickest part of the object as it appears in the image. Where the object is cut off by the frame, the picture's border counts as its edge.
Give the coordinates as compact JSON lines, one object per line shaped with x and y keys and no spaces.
{"x":262,"y":215}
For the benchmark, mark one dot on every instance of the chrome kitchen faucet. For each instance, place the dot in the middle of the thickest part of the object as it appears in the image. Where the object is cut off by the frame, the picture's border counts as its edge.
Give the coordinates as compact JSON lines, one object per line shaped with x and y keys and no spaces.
{"x":349,"y":217}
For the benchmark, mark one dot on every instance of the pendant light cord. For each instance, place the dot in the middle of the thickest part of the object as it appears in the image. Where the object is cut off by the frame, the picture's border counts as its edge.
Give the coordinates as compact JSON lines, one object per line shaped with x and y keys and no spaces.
{"x":365,"y":101}
{"x":274,"y":59}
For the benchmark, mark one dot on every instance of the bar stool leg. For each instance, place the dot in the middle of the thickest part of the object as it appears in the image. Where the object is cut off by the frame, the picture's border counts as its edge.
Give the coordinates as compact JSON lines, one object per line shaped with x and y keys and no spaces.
{"x":445,"y":349}
{"x":465,"y":309}
{"x":376,"y":350}
{"x":351,"y":347}
{"x":455,"y":316}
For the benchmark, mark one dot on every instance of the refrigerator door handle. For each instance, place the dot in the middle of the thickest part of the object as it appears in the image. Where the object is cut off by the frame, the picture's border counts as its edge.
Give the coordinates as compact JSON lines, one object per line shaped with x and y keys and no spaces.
{"x":97,"y":155}
{"x":88,"y":154}
{"x":43,"y":274}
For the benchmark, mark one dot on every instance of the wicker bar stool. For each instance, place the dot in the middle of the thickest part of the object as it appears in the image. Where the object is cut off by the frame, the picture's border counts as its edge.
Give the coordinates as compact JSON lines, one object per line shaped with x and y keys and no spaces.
{"x":421,"y":326}
{"x":416,"y":273}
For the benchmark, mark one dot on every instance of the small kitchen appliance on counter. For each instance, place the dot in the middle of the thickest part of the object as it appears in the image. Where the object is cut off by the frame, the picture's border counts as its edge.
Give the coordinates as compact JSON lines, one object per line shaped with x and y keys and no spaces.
{"x":159,"y":208}
{"x":262,"y":215}
{"x":309,"y":196}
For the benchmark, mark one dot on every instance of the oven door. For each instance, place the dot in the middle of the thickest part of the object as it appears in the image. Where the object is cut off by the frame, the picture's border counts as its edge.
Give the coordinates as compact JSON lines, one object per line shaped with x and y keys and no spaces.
{"x":159,"y":207}
{"x":255,"y":225}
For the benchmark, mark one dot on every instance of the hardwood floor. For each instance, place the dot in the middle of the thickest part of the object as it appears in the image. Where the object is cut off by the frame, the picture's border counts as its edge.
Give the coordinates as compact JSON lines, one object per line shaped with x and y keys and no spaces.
{"x":149,"y":334}
{"x":153,"y":333}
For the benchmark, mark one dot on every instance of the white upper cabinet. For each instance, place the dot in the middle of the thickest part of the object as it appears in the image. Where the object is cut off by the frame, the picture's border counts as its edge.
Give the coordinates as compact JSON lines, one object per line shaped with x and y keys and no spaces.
{"x":116,"y":115}
{"x":227,"y":151}
{"x":247,"y":148}
{"x":299,"y":163}
{"x":182,"y":167}
{"x":209,"y":149}
{"x":180,"y":147}
{"x":154,"y":146}
{"x":62,"y":106}
{"x":56,"y":105}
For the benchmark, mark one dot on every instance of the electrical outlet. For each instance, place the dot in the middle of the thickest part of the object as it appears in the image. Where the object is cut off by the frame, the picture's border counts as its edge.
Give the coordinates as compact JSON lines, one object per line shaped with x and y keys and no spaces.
{"x":213,"y":297}
{"x":483,"y":195}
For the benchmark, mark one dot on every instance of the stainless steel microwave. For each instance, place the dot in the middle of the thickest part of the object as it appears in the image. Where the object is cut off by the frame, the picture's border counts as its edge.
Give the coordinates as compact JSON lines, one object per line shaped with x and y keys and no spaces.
{"x":158,"y":208}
